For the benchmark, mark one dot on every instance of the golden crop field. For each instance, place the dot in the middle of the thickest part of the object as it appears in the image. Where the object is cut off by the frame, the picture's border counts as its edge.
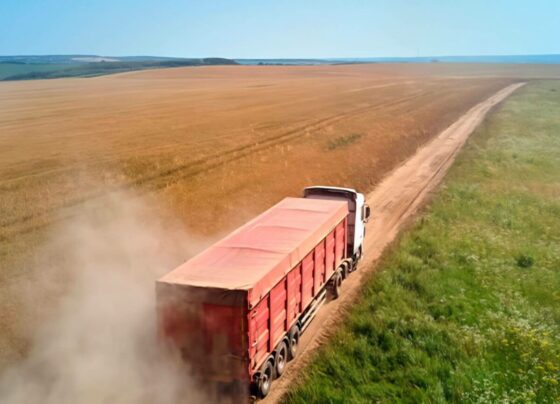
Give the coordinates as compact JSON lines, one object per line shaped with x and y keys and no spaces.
{"x":212,"y":145}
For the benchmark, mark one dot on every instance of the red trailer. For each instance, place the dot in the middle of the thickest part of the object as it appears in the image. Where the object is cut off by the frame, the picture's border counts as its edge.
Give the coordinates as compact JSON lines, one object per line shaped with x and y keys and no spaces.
{"x":237,"y":309}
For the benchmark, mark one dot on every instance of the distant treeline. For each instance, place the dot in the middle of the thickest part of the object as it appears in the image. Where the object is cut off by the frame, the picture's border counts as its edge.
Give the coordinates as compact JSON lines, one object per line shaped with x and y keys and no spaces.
{"x":104,"y":67}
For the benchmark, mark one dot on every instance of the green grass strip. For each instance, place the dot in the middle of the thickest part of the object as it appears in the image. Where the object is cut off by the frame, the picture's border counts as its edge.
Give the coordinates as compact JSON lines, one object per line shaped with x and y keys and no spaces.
{"x":466,"y":306}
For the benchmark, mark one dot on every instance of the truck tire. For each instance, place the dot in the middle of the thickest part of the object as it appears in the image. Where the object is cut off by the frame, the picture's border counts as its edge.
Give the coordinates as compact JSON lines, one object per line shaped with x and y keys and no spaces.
{"x":334,"y":285}
{"x":265,"y":379}
{"x":293,"y":342}
{"x":357,"y":258}
{"x":280,"y":358}
{"x":345,"y":269}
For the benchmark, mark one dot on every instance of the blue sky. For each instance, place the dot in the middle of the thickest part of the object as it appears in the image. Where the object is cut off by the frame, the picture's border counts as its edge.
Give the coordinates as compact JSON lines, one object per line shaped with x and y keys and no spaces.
{"x":276,"y":29}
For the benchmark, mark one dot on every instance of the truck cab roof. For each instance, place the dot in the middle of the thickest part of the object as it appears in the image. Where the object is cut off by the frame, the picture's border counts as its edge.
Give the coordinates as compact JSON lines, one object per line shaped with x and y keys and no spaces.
{"x":327,"y":187}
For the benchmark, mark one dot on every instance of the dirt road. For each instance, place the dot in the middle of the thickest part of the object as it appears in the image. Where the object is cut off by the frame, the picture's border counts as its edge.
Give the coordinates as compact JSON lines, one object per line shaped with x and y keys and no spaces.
{"x":393,"y":202}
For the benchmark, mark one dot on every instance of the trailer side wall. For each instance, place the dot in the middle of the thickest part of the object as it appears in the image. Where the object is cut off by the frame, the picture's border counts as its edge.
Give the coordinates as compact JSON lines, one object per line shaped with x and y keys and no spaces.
{"x":277,"y":312}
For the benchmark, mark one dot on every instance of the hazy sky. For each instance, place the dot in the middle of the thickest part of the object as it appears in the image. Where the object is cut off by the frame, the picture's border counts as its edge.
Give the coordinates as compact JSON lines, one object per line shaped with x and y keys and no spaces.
{"x":279,"y":28}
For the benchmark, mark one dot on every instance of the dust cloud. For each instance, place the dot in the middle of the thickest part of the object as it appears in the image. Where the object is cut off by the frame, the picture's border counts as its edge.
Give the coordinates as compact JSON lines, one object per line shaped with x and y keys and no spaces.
{"x":96,"y":341}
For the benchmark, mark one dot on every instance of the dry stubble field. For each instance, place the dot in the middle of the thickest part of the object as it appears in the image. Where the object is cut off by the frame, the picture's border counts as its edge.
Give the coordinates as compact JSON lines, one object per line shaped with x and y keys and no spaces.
{"x":213,"y":145}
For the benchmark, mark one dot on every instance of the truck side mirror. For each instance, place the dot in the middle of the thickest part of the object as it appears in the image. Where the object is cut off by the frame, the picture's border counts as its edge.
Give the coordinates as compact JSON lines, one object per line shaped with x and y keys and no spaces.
{"x":366,"y":213}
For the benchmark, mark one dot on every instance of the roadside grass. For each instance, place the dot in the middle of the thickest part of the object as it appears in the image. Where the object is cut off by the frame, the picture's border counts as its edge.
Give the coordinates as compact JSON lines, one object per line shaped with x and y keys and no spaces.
{"x":466,"y":306}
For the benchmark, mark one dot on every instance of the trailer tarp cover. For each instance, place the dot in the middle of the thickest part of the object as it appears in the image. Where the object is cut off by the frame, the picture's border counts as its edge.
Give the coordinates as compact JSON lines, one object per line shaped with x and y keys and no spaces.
{"x":259,"y":254}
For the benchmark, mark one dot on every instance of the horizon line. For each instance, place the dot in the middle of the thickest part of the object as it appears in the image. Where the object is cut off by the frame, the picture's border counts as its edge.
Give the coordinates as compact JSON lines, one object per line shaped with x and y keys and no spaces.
{"x":289,"y":58}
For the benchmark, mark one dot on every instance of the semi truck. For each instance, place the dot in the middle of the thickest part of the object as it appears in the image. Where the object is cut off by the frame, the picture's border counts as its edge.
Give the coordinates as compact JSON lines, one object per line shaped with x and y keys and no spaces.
{"x":237,"y":310}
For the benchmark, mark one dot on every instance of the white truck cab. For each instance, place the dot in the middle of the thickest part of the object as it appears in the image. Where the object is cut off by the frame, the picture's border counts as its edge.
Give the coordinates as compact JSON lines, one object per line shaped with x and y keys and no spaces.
{"x":359,"y":213}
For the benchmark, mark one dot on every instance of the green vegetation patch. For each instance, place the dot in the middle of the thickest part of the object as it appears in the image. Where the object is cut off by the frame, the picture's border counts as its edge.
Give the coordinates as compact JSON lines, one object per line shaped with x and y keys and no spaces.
{"x":344,"y":141}
{"x":8,"y":69}
{"x":32,"y":71}
{"x":466,"y":307}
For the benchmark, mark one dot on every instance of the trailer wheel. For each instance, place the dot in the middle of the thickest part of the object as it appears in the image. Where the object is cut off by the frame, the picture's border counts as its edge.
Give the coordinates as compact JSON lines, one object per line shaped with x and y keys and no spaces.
{"x":334,"y":285}
{"x":280,"y":358}
{"x":345,"y":270}
{"x":293,"y":342}
{"x":265,"y":379}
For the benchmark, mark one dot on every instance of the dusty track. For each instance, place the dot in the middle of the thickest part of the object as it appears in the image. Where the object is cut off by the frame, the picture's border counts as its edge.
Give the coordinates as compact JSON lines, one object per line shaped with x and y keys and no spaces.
{"x":393,"y":202}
